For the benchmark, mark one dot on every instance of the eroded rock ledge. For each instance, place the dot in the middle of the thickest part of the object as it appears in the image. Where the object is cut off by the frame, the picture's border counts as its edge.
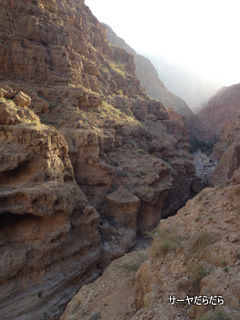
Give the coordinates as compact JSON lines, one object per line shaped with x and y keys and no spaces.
{"x":194,"y":253}
{"x":81,"y":144}
{"x":47,"y":226}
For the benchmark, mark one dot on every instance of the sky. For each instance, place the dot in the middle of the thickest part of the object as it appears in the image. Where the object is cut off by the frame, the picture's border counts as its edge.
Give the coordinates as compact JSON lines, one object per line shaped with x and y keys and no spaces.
{"x":203,"y":35}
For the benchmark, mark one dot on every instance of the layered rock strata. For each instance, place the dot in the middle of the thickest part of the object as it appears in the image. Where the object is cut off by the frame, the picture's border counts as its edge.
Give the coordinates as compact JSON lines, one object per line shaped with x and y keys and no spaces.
{"x":48,"y":232}
{"x":90,"y":164}
{"x":194,"y":255}
{"x":149,"y":79}
{"x":221,"y":117}
{"x":223,"y":107}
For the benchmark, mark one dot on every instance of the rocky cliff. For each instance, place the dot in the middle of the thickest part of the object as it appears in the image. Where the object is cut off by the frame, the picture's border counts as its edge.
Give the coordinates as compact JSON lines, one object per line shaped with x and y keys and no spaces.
{"x":221,"y":119}
{"x":189,"y":85}
{"x":88,"y":161}
{"x":222,"y":107}
{"x":47,"y":225}
{"x":149,"y":79}
{"x":191,"y":270}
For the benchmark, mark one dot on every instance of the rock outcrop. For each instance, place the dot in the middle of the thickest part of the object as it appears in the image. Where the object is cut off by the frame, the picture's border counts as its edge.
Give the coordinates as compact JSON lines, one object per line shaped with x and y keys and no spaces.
{"x":155,"y":88}
{"x":184,"y":82}
{"x":88,"y":161}
{"x":149,"y":79}
{"x":223,"y":107}
{"x":221,"y":119}
{"x":111,"y":296}
{"x":193,"y":254}
{"x":47,"y":226}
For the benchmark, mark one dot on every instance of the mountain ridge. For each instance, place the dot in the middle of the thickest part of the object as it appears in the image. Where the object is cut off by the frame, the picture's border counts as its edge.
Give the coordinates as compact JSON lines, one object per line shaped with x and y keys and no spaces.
{"x":149,"y":78}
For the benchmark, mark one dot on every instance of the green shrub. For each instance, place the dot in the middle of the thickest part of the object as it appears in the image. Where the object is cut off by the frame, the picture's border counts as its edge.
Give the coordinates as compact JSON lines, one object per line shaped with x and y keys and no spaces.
{"x":120,"y":92}
{"x":164,"y":241}
{"x":215,"y":315}
{"x":204,"y":239}
{"x":118,"y":67}
{"x":197,"y":273}
{"x":95,"y":316}
{"x":202,"y":195}
{"x":238,"y":256}
{"x":114,"y":163}
{"x":226,"y":269}
{"x":44,"y":120}
{"x":141,"y":151}
{"x":133,"y":266}
{"x":223,"y":263}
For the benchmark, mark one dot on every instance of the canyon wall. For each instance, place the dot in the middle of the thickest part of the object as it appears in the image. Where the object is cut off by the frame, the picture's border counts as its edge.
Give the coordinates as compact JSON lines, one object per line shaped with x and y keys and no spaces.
{"x":88,"y":161}
{"x":190,"y":272}
{"x":222,"y":107}
{"x":221,"y":124}
{"x":149,"y":79}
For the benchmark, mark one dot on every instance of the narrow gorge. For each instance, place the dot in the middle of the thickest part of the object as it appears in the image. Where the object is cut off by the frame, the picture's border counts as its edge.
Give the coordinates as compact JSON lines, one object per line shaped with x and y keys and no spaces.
{"x":91,"y":160}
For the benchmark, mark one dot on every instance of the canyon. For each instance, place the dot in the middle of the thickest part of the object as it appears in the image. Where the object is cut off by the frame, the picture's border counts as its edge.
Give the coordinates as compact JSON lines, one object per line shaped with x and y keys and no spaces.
{"x":91,"y":160}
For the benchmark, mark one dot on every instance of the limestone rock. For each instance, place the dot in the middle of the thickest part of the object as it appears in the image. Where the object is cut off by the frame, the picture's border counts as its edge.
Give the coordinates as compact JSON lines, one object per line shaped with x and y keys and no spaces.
{"x":149,"y":79}
{"x":95,"y":131}
{"x":10,"y":113}
{"x":111,"y":296}
{"x":204,"y":259}
{"x":47,"y":226}
{"x":228,"y":163}
{"x":195,"y":253}
{"x":123,"y":207}
{"x":221,"y":108}
{"x":22,"y":100}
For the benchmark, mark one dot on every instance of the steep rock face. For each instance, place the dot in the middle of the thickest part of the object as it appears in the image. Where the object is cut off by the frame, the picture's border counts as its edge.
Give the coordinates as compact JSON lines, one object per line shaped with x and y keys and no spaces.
{"x":111,"y":296}
{"x":205,"y":258}
{"x":50,"y":42}
{"x":221,"y":119}
{"x":224,"y":106}
{"x":149,"y":79}
{"x":47,"y":227}
{"x":228,"y":163}
{"x":99,"y":132}
{"x":189,"y":85}
{"x":194,"y":253}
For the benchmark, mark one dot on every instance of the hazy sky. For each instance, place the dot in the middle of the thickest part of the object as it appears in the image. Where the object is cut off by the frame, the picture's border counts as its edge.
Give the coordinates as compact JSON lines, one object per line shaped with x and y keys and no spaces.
{"x":201,"y":34}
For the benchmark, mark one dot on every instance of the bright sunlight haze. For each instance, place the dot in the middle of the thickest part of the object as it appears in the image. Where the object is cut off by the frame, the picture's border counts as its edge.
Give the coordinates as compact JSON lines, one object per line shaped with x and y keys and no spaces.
{"x":202,"y":35}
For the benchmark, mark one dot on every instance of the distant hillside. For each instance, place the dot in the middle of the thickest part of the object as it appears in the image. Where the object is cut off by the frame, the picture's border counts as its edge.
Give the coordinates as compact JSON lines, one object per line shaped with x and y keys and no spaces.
{"x":149,"y":79}
{"x":185,"y":83}
{"x":222,"y":109}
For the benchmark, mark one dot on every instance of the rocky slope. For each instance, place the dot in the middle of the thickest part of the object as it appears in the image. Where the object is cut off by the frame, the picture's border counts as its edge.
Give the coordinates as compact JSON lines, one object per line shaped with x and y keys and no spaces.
{"x":46,"y":224}
{"x":221,"y":119}
{"x":224,"y":106}
{"x":194,"y":254}
{"x":187,"y":84}
{"x":149,"y":79}
{"x":88,"y":161}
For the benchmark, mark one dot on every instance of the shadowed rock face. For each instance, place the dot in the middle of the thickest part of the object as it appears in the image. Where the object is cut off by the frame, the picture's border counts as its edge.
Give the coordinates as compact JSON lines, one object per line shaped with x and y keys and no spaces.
{"x":194,"y":253}
{"x":47,"y":226}
{"x":221,"y":119}
{"x":223,"y":107}
{"x":81,"y":146}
